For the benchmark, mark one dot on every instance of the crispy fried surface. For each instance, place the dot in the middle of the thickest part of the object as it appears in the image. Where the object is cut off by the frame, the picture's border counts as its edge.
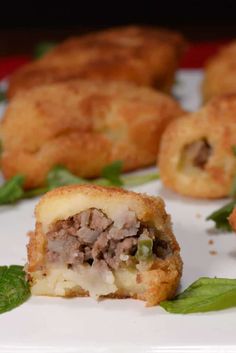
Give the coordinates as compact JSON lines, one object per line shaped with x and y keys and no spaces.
{"x":142,"y":55}
{"x":232,"y":219}
{"x":214,"y":123}
{"x":83,"y":125}
{"x":153,"y":286}
{"x":220,"y":73}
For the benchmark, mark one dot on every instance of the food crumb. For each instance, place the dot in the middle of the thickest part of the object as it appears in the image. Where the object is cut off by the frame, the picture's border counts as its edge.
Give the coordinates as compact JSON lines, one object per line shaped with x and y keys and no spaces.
{"x":213,"y":252}
{"x":211,"y":242}
{"x":198,"y":215}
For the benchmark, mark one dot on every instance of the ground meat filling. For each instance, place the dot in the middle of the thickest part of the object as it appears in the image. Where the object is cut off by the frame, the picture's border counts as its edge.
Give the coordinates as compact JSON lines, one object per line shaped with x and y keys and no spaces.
{"x":91,"y":237}
{"x":198,"y":153}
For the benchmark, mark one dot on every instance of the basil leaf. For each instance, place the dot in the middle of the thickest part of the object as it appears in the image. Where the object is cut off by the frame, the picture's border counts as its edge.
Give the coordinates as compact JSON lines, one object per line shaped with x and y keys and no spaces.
{"x":220,"y":216}
{"x":43,"y":48}
{"x":14,"y":289}
{"x":60,"y":176}
{"x":206,"y":294}
{"x":135,"y":180}
{"x":12,"y":190}
{"x":112,"y":173}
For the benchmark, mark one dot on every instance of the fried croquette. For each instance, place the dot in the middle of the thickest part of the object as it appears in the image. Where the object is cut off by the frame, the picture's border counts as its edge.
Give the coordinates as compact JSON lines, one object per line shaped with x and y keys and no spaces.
{"x":196,"y":155}
{"x":232,"y":219}
{"x":220,"y":73}
{"x":103,"y":242}
{"x":83,"y":126}
{"x":142,"y":55}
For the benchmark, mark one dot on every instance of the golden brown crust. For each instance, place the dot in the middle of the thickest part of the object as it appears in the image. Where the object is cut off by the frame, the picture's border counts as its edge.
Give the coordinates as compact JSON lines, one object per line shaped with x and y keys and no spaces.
{"x":142,"y":55}
{"x":215,"y":123}
{"x":84,"y":126}
{"x":158,"y":283}
{"x":162,"y":282}
{"x":220,"y":73}
{"x":232,"y":219}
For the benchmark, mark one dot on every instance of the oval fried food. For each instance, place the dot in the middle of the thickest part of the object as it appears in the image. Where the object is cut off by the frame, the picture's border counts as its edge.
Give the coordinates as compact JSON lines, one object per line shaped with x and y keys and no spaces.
{"x":232,"y":219}
{"x":220,"y":73}
{"x":84,"y":126}
{"x":142,"y":55}
{"x":103,"y":242}
{"x":196,"y":155}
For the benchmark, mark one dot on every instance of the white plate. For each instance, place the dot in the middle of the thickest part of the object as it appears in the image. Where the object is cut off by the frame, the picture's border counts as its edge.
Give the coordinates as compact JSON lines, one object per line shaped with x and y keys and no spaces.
{"x":111,"y":326}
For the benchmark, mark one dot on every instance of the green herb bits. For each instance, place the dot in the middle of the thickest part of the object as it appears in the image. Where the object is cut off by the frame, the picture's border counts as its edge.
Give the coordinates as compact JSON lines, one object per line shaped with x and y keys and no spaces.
{"x":144,"y":251}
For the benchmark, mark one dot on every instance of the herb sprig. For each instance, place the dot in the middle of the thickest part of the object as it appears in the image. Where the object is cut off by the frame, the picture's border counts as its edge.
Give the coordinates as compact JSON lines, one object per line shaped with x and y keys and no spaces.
{"x":14,"y":288}
{"x":205,"y":294}
{"x":13,"y":190}
{"x":220,"y":216}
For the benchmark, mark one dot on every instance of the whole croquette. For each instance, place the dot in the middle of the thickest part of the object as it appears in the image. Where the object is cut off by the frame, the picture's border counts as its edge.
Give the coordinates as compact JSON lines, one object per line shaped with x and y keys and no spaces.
{"x":83,"y":125}
{"x":196,"y":156}
{"x":146,"y":56}
{"x":220,"y":73}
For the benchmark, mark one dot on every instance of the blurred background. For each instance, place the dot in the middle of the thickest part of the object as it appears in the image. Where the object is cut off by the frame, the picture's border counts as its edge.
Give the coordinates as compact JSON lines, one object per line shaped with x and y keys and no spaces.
{"x":23,"y":25}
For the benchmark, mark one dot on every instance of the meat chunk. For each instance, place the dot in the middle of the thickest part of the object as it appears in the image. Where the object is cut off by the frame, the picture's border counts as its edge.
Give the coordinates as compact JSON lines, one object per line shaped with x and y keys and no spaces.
{"x":100,"y":246}
{"x":99,"y":221}
{"x":87,"y":235}
{"x":124,"y":248}
{"x":94,"y":238}
{"x":125,"y":225}
{"x":67,"y":250}
{"x":198,"y":153}
{"x":203,"y":154}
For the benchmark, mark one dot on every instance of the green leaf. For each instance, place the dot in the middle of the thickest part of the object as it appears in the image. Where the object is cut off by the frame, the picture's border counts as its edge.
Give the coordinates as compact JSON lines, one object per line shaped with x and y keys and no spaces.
{"x":101,"y":182}
{"x":144,"y":251}
{"x":112,"y":173}
{"x":14,"y":289}
{"x":43,"y":48}
{"x":60,"y":176}
{"x":3,"y":96}
{"x":206,"y":294}
{"x":135,"y":180}
{"x":12,"y":190}
{"x":28,"y":194}
{"x":220,"y":216}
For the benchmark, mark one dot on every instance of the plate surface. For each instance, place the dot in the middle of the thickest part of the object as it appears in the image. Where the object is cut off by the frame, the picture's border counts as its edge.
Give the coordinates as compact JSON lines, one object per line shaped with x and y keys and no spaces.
{"x":85,"y":326}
